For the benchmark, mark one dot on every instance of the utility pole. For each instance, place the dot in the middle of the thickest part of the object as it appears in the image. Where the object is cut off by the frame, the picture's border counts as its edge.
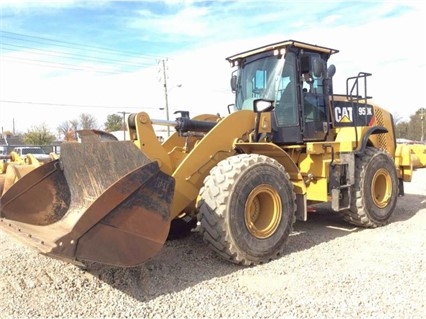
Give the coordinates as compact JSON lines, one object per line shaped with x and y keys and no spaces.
{"x":164,"y":77}
{"x":166,"y":95}
{"x":422,"y":116}
{"x":124,"y":123}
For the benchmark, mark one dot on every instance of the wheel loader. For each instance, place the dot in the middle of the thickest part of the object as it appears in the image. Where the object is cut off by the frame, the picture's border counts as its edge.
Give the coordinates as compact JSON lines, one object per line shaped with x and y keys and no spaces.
{"x":15,"y":165}
{"x":286,"y":143}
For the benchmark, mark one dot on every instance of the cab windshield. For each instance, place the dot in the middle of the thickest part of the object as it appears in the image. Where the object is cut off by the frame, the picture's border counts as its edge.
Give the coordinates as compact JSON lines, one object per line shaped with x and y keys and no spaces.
{"x":263,"y":78}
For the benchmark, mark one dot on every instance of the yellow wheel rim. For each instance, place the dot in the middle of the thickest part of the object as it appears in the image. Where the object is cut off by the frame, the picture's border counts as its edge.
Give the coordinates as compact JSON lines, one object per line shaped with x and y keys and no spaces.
{"x":381,"y":188}
{"x":263,"y":211}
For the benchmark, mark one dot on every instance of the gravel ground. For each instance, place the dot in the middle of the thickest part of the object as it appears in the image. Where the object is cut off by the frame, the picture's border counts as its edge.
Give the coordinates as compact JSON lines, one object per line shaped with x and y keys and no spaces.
{"x":331,"y":270}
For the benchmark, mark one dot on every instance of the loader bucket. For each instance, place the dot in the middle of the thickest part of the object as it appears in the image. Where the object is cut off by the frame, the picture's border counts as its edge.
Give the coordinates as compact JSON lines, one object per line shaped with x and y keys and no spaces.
{"x":104,"y":202}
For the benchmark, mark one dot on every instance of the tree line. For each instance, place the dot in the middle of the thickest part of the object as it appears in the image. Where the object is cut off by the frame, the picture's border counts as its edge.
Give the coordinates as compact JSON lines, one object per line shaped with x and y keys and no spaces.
{"x":414,"y":128}
{"x":67,"y":131}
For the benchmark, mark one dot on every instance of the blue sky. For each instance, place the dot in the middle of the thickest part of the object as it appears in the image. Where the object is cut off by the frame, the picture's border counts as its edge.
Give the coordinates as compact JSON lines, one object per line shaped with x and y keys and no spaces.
{"x":60,"y":59}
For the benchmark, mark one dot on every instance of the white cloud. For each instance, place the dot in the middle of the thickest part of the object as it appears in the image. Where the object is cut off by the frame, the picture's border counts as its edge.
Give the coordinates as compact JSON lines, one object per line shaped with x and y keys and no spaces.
{"x":187,"y":22}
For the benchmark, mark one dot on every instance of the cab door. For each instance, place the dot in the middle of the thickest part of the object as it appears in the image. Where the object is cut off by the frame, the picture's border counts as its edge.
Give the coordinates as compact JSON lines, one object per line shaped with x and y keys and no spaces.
{"x":314,"y":98}
{"x":286,"y":115}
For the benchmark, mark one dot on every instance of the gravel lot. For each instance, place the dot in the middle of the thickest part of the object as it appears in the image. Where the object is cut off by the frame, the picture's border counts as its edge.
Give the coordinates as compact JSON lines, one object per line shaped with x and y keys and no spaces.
{"x":331,"y":270}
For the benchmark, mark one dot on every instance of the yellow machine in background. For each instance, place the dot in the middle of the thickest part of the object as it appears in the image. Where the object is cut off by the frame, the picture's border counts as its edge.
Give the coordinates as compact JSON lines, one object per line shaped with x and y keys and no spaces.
{"x":14,"y":166}
{"x":417,"y":151}
{"x":289,"y":142}
{"x":418,"y":155}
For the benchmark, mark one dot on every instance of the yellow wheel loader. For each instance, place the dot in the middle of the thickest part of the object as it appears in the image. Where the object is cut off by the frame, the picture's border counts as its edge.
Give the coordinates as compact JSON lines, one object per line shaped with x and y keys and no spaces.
{"x":13,"y":167}
{"x":288,"y":142}
{"x":417,"y":151}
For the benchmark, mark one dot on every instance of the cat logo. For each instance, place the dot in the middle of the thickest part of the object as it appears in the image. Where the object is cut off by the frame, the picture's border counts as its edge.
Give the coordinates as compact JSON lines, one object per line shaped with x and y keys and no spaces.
{"x":343,"y":114}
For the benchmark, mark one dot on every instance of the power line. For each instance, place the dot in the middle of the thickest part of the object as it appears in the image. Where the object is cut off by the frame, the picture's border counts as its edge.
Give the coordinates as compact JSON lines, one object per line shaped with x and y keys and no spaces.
{"x":73,"y":55}
{"x":66,"y":44}
{"x":56,"y":65}
{"x":76,"y":105}
{"x":73,"y":51}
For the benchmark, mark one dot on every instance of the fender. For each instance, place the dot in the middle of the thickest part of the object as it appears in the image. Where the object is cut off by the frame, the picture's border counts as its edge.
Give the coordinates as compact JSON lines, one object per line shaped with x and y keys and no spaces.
{"x":371,"y":131}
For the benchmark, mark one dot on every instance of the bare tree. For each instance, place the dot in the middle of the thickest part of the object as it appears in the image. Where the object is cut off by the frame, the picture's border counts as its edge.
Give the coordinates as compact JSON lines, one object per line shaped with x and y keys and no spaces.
{"x":67,"y":130}
{"x":74,"y":127}
{"x":88,"y":121}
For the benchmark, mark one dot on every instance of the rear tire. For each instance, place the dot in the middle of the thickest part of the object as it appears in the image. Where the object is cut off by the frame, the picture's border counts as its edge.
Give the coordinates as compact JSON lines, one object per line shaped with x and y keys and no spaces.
{"x":247,"y":209}
{"x":375,"y":192}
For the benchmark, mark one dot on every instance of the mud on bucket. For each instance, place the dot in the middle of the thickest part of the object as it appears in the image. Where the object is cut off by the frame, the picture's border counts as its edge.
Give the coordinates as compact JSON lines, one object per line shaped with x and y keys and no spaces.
{"x":102,"y":201}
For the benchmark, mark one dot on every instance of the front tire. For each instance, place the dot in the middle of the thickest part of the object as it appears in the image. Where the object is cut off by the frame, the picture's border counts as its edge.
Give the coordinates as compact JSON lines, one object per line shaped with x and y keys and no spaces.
{"x":375,"y":192}
{"x":247,"y":209}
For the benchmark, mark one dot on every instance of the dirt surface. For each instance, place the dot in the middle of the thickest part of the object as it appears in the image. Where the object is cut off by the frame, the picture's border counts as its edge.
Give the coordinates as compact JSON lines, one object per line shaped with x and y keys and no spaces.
{"x":330,"y":269}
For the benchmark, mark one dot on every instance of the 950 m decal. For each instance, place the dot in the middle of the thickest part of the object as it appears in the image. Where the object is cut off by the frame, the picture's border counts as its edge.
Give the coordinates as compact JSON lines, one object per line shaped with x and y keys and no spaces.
{"x":352,"y":113}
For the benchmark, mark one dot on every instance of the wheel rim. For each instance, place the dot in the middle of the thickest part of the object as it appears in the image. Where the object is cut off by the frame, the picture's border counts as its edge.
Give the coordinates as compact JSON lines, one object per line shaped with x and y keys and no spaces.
{"x":381,"y":188}
{"x":263,"y":211}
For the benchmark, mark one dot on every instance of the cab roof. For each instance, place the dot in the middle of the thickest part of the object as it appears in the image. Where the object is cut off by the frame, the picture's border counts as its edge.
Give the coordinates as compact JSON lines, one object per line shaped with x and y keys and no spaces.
{"x":280,"y":45}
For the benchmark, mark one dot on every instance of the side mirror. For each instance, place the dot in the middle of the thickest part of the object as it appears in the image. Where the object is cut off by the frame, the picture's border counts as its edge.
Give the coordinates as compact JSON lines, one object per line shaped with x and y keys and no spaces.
{"x":262,"y":105}
{"x":331,"y":71}
{"x":234,"y":83}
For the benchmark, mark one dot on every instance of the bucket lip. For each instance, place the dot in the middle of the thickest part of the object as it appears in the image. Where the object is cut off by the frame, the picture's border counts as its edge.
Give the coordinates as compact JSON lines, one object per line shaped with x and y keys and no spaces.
{"x":27,"y":234}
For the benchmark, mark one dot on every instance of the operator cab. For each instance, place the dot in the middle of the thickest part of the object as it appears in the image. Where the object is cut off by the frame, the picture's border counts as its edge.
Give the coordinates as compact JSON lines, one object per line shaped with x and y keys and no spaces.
{"x":294,"y":76}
